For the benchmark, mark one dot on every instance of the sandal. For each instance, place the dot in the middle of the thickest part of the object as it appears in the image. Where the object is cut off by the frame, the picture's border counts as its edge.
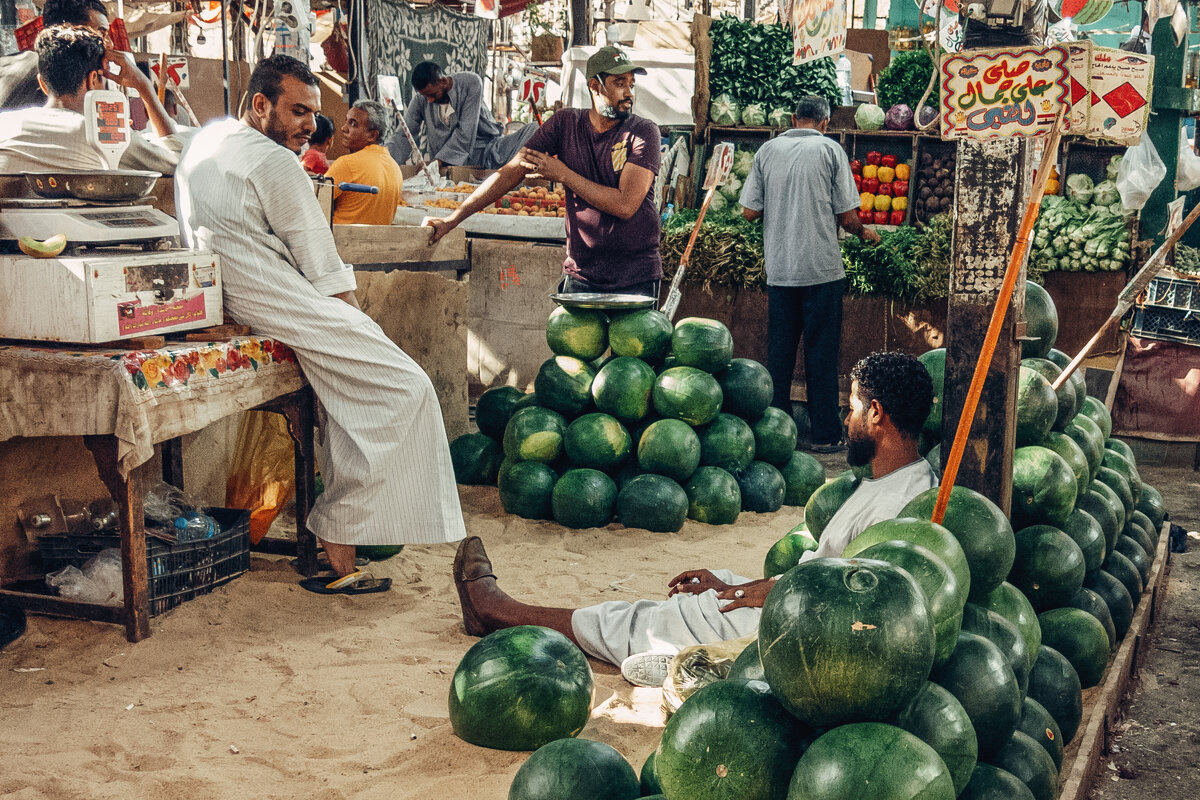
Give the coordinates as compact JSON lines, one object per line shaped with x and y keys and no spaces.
{"x":355,"y":583}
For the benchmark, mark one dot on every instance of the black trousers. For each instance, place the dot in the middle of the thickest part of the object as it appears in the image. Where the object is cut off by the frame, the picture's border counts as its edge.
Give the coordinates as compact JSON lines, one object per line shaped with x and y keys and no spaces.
{"x":813,"y":313}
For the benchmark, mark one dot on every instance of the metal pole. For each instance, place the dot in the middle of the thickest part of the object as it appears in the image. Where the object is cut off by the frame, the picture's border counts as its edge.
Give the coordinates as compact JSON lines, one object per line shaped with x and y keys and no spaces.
{"x":225,"y":54}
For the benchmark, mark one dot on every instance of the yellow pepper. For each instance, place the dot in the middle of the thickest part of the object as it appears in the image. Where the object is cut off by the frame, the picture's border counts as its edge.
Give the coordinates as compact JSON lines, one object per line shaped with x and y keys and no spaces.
{"x":866,"y":202}
{"x":870,"y":171}
{"x":899,"y":203}
{"x":1052,"y":186}
{"x":883,"y":202}
{"x":902,"y":172}
{"x":886,"y":174}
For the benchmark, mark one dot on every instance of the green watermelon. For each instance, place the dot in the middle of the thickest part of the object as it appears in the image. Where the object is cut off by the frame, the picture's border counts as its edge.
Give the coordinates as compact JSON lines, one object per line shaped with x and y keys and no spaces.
{"x":1037,"y":407}
{"x":649,"y":781}
{"x":1091,"y":602}
{"x":1044,"y":487}
{"x":702,"y":343}
{"x":1094,"y":410}
{"x":1041,"y":322}
{"x":942,"y":591}
{"x":1065,"y":394}
{"x":1115,"y":505}
{"x":1139,"y":534}
{"x":669,"y":447}
{"x":1002,"y":633}
{"x":826,"y":500}
{"x":1086,"y":434}
{"x":564,"y":384}
{"x":1037,"y":724}
{"x":979,"y":677}
{"x":1081,"y":639}
{"x":1049,"y":566}
{"x":935,"y":363}
{"x":1119,"y":447}
{"x":622,"y":388}
{"x":496,"y":406}
{"x":921,"y":532}
{"x":1121,"y":568}
{"x":577,"y":332}
{"x":895,"y":764}
{"x":378,"y":552}
{"x":1116,"y":597}
{"x":689,"y":394}
{"x":526,"y":489}
{"x":1136,"y":555}
{"x":1086,"y":532}
{"x":534,"y":434}
{"x":845,"y":640}
{"x":1100,"y":508}
{"x":786,"y":553}
{"x":1073,"y":454}
{"x":992,"y":783}
{"x":1029,"y":762}
{"x":1054,"y":683}
{"x":1118,"y":463}
{"x":476,"y":459}
{"x":728,"y":740}
{"x":584,"y":498}
{"x":653,"y":503}
{"x":746,"y":387}
{"x":1062,"y":361}
{"x":598,"y":441}
{"x":762,"y":488}
{"x":747,"y":666}
{"x":578,"y":769}
{"x":714,"y":496}
{"x":726,"y":442}
{"x":1152,"y":506}
{"x":1141,"y":518}
{"x":980,"y":527}
{"x":644,"y":334}
{"x":935,"y":717}
{"x":934,"y":457}
{"x":1117,"y":482}
{"x":802,"y":475}
{"x":1008,"y":601}
{"x":519,"y":688}
{"x":774,"y":437}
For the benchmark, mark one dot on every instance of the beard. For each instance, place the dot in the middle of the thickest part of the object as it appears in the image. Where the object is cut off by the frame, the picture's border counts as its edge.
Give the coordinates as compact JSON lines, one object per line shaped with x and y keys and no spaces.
{"x":859,"y":450}
{"x":614,"y":112}
{"x":277,"y":132}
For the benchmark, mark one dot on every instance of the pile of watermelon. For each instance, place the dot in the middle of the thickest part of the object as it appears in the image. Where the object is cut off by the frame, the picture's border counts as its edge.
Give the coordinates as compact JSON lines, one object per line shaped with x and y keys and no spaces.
{"x":638,"y":420}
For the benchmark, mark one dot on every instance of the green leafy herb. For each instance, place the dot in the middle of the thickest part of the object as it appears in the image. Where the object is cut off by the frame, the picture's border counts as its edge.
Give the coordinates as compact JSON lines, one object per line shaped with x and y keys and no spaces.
{"x":904,"y":79}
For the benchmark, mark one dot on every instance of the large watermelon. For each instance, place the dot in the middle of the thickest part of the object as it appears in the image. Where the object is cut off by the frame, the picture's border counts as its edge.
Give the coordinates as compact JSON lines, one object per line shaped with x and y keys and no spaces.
{"x":714,"y":496}
{"x":1091,"y":602}
{"x":622,"y":388}
{"x":826,"y":500}
{"x":871,"y":759}
{"x":845,"y":640}
{"x":1115,"y":596}
{"x":747,"y":388}
{"x":747,"y":666}
{"x":476,"y":459}
{"x":992,"y":783}
{"x":564,"y":384}
{"x":584,"y":498}
{"x":687,"y":393}
{"x":644,"y":334}
{"x":1098,"y":507}
{"x":762,"y":487}
{"x":526,"y":489}
{"x":1062,"y":361}
{"x":1115,"y":461}
{"x":1152,"y":506}
{"x":1133,"y":551}
{"x":726,"y":442}
{"x":534,"y":434}
{"x":1121,"y":448}
{"x":979,"y":677}
{"x":1037,"y":407}
{"x":1041,"y":322}
{"x":702,"y":343}
{"x":1054,"y":683}
{"x":802,"y":475}
{"x":921,"y":532}
{"x":597,"y":441}
{"x":519,"y":688}
{"x":1009,"y":602}
{"x":1099,"y":414}
{"x":1117,"y":482}
{"x":653,"y":503}
{"x":1049,"y":567}
{"x":1005,"y":635}
{"x":730,"y":739}
{"x":1037,"y":724}
{"x":935,"y":717}
{"x":1086,"y":434}
{"x":1086,"y":532}
{"x":1121,"y":568}
{"x":786,"y":552}
{"x":579,"y":769}
{"x":648,"y":778}
{"x":1073,"y":454}
{"x":1080,"y":638}
{"x":1065,"y":394}
{"x":774,"y":437}
{"x":980,"y":527}
{"x":1115,"y":505}
{"x":1031,"y":764}
{"x":1044,"y":487}
{"x":577,"y":332}
{"x":935,"y":363}
{"x":496,"y":406}
{"x":669,"y":447}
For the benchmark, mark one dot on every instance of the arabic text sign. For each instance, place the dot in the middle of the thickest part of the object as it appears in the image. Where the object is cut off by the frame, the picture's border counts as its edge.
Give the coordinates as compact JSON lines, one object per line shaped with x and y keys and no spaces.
{"x":1005,"y":92}
{"x":1120,"y":88}
{"x":818,"y":29}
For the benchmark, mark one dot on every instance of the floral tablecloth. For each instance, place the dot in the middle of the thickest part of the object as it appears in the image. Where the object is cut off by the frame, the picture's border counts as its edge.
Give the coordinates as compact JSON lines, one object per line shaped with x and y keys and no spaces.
{"x":140,"y":396}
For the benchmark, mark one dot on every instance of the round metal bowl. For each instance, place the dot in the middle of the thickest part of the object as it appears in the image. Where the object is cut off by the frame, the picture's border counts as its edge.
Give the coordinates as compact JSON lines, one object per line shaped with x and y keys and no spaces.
{"x":603,"y":300}
{"x":101,"y":185}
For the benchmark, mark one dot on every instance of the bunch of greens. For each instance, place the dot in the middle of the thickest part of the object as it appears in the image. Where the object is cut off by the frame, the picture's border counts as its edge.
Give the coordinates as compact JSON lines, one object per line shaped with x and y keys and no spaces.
{"x":728,"y":249}
{"x":1187,"y":260}
{"x":930,"y":254}
{"x":885,"y":268}
{"x":904,"y":79}
{"x":1080,"y":236}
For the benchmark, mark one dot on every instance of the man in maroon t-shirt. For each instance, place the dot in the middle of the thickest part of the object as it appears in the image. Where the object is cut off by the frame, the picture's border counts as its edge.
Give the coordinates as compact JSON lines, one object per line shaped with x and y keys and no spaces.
{"x":607,"y":159}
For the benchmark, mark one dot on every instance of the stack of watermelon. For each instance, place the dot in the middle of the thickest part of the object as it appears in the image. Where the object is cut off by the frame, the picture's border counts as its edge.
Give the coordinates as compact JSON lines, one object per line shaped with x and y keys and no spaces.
{"x":636,"y":419}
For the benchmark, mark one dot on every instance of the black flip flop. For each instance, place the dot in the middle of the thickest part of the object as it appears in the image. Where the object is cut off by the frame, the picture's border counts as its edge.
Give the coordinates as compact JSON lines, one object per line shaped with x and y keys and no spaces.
{"x":364,"y":585}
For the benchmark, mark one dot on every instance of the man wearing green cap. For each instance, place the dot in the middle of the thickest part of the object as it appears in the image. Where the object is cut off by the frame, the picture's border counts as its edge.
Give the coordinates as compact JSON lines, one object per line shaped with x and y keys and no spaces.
{"x":607,"y":159}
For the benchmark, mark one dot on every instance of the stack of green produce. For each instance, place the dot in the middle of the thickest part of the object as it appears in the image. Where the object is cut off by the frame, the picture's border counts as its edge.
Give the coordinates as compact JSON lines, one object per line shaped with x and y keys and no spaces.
{"x":1085,"y":230}
{"x":1187,"y":260}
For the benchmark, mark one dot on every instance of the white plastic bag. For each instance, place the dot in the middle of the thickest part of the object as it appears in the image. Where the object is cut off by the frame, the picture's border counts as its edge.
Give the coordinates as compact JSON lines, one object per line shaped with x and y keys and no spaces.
{"x":98,"y":582}
{"x":1140,"y":172}
{"x":1187,"y":176}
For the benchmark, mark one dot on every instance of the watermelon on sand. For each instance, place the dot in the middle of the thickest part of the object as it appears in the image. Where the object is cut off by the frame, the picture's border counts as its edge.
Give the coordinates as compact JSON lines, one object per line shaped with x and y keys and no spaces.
{"x":622,"y":388}
{"x":702,"y":343}
{"x":726,"y":442}
{"x":534,"y":434}
{"x":564,"y":384}
{"x":644,"y":334}
{"x":747,"y":388}
{"x":762,"y":487}
{"x":526,"y":488}
{"x":979,"y":677}
{"x":653,"y":503}
{"x":649,"y":777}
{"x":584,"y":498}
{"x":496,"y":406}
{"x":802,"y":475}
{"x":476,"y":459}
{"x":577,"y":332}
{"x":669,"y":447}
{"x":597,"y":441}
{"x":891,"y":761}
{"x":714,"y":496}
{"x":774,"y":437}
{"x":688,"y":394}
{"x":575,"y":768}
{"x":935,"y":717}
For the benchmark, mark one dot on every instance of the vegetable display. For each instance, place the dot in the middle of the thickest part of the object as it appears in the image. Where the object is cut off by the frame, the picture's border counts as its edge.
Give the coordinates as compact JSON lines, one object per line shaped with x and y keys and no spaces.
{"x":1085,"y":230}
{"x":904,"y":80}
{"x":935,"y":185}
{"x":869,"y":117}
{"x":883,"y":189}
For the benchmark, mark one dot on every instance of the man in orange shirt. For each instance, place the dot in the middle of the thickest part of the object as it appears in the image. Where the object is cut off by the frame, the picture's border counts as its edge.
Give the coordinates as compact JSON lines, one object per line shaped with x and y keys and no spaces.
{"x":368,"y":163}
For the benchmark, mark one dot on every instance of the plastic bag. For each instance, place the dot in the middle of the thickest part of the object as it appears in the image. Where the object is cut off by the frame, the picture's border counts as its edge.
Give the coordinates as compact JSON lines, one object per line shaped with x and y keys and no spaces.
{"x":1187,"y":175}
{"x":697,"y":666}
{"x":263,"y":475}
{"x":1140,"y":171}
{"x":98,"y":582}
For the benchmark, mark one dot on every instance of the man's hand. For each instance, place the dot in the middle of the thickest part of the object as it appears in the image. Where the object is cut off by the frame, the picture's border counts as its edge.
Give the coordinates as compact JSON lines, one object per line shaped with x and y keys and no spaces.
{"x":544,"y":165}
{"x":746,"y":595}
{"x":439,"y":227}
{"x":870,"y":236}
{"x":695,"y":581}
{"x":120,"y":68}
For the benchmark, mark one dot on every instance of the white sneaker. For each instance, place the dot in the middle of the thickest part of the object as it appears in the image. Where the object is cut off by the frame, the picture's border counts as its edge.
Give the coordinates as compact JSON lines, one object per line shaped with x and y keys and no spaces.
{"x":646,"y":669}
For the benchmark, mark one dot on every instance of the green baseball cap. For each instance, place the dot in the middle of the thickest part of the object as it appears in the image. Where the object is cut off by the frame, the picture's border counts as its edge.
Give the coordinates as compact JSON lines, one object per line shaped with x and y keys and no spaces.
{"x":613,"y":61}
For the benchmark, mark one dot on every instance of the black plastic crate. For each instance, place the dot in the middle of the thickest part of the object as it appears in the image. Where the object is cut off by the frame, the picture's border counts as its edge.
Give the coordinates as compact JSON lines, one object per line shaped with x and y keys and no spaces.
{"x":1176,"y":293}
{"x":1167,"y":324}
{"x":176,"y":572}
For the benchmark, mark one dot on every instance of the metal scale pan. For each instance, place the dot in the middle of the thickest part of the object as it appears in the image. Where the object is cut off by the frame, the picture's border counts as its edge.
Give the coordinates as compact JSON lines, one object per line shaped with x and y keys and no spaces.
{"x":105,"y":186}
{"x":603,"y":300}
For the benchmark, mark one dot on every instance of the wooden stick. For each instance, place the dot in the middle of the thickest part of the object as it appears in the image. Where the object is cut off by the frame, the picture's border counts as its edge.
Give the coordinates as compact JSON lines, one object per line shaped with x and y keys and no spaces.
{"x":162,"y":76}
{"x":1032,"y":207}
{"x":671,"y":304}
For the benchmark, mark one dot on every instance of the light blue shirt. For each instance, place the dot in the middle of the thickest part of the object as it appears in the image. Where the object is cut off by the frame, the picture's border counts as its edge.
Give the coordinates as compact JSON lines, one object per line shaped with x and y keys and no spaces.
{"x":801,"y":182}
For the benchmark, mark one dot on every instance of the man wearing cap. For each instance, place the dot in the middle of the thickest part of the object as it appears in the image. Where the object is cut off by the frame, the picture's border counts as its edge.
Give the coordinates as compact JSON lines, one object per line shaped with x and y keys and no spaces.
{"x":607,"y":159}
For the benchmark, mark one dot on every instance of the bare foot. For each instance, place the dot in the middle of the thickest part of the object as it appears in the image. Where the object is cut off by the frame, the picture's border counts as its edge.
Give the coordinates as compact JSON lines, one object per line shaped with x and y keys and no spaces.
{"x":341,"y":557}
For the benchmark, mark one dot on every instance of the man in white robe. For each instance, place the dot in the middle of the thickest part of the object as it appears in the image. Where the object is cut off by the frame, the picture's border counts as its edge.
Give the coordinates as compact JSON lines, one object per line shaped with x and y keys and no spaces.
{"x":241,"y":191}
{"x":891,"y":394}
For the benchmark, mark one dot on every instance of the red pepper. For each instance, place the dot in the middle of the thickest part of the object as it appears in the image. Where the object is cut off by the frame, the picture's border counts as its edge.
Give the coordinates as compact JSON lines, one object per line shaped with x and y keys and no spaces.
{"x":870,"y":185}
{"x":899,"y":188}
{"x":874,"y":157}
{"x":881,"y":217}
{"x":885,"y":188}
{"x":858,"y":179}
{"x":897,"y":217}
{"x":856,"y":167}
{"x":866,"y":217}
{"x":888,"y":161}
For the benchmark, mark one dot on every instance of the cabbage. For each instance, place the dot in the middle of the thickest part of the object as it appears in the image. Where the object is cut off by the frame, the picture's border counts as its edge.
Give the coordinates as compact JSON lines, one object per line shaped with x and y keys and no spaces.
{"x":927,"y":115}
{"x":898,"y":118}
{"x":724,"y":111}
{"x":732,"y":188}
{"x":1106,"y":194}
{"x":869,"y":117}
{"x":780,"y":118}
{"x":718,"y":202}
{"x":1080,"y":189}
{"x":743,"y":161}
{"x":753,"y":114}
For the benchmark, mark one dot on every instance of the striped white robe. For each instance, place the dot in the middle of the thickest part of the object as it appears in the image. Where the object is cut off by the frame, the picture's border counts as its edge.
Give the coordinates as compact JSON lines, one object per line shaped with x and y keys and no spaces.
{"x":388,"y":477}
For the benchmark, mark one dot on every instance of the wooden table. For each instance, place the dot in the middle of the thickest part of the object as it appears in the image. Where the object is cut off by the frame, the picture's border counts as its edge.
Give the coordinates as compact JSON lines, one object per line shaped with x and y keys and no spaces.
{"x":124,"y":403}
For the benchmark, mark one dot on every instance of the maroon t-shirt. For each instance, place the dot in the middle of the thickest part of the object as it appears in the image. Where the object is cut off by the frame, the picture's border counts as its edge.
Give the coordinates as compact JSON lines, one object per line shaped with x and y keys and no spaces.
{"x":604,"y":250}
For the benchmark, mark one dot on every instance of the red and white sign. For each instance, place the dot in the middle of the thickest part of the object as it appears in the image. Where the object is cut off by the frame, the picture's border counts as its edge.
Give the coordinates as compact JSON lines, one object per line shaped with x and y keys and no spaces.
{"x":177,"y":71}
{"x":1120,"y":84}
{"x":719,"y":166}
{"x":533,"y":90}
{"x":135,"y":317}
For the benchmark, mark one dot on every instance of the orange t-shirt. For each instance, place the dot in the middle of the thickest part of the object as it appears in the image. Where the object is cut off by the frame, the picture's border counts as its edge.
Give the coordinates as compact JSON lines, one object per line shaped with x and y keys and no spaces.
{"x":373,"y":166}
